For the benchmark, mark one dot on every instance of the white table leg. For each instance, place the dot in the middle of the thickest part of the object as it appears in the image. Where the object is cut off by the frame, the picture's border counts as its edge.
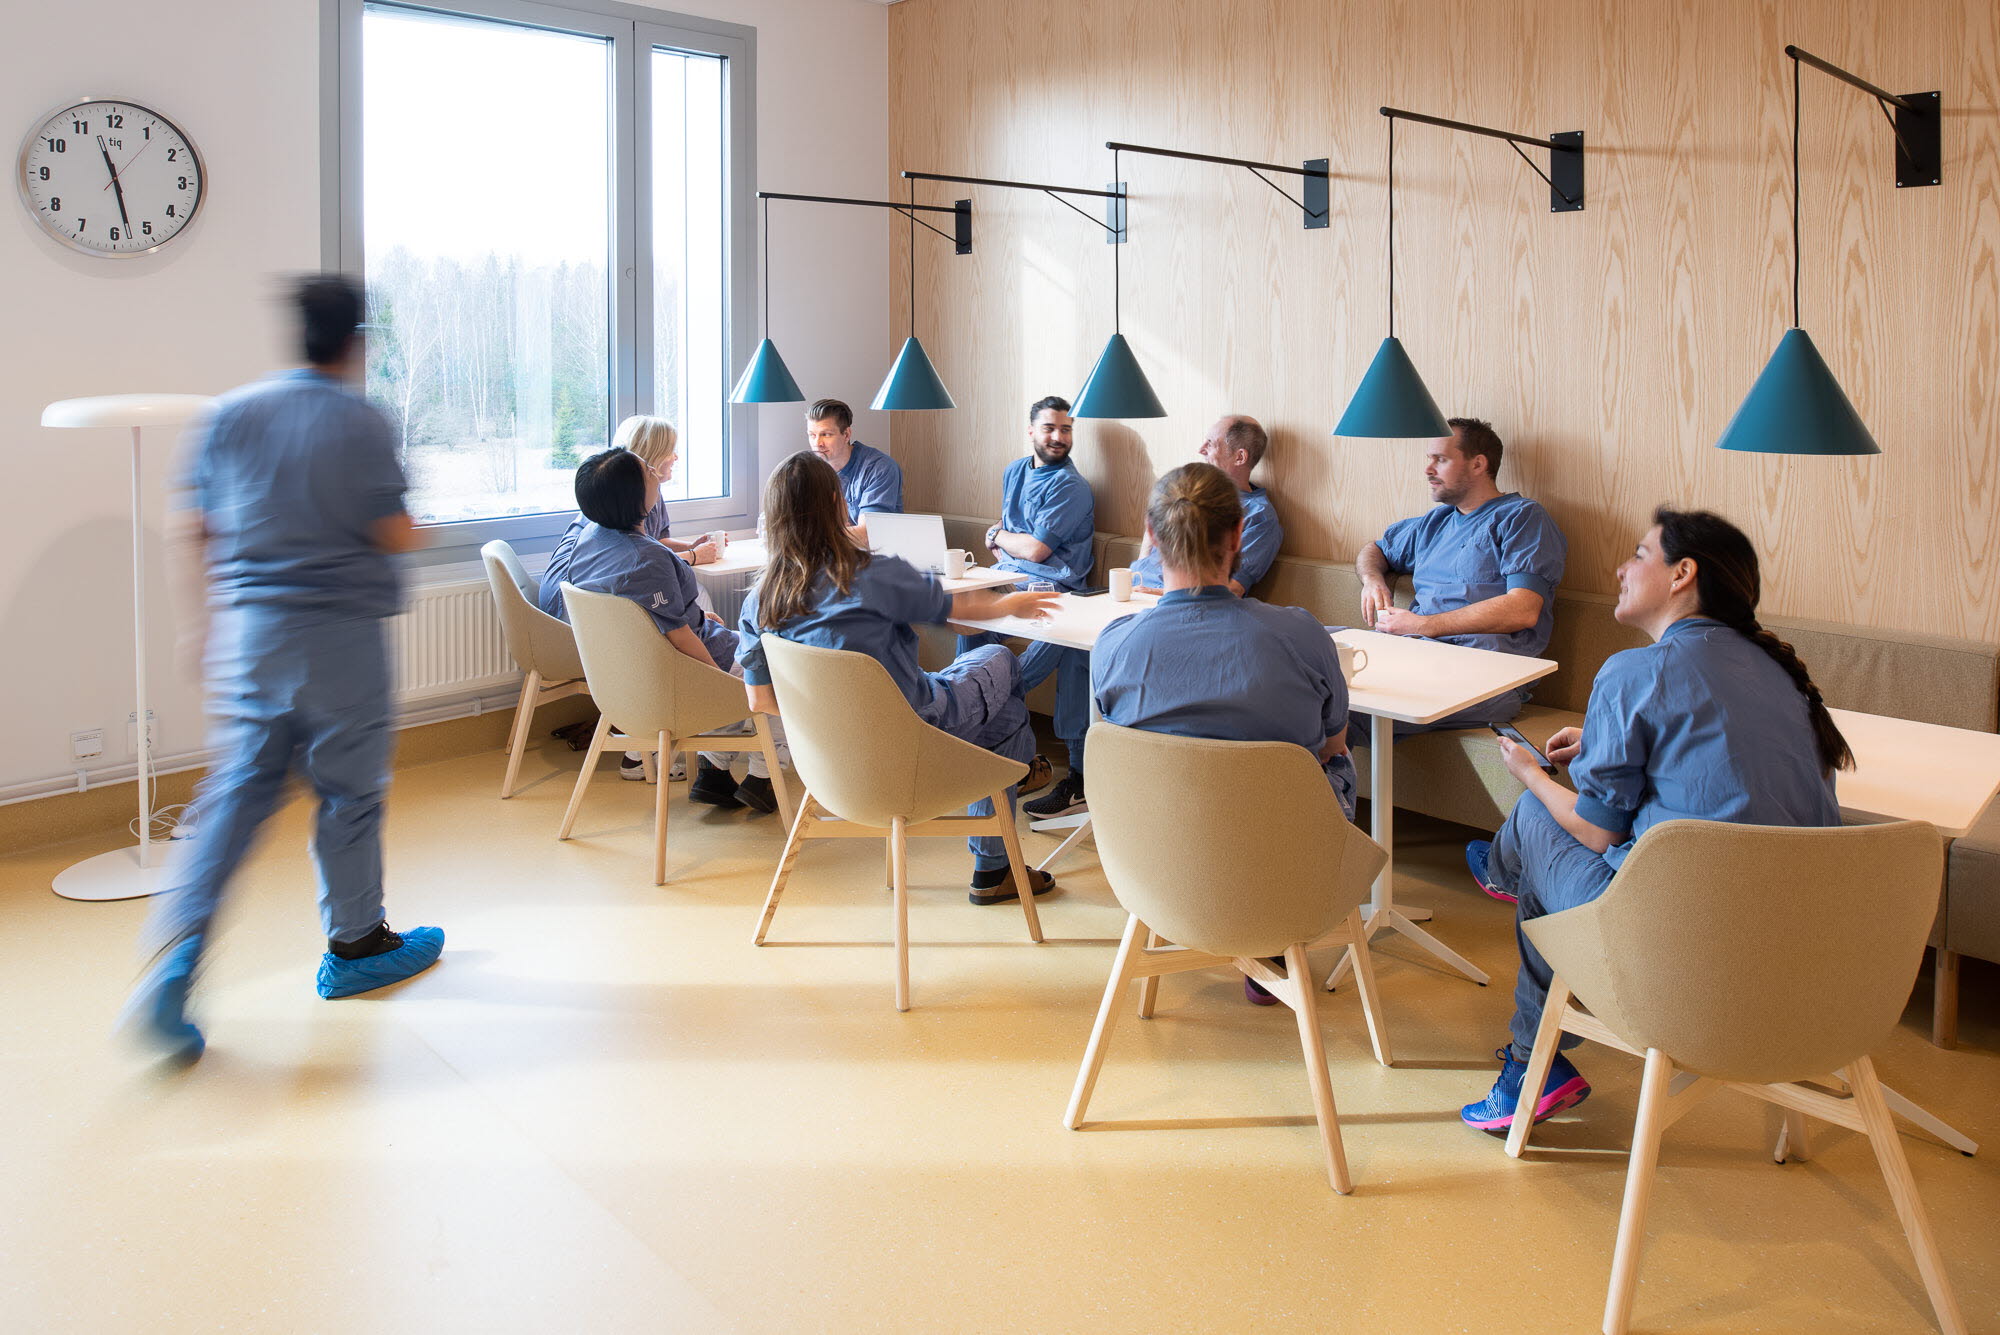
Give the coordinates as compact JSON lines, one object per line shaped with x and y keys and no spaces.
{"x":1078,"y":826}
{"x":1929,"y":1122}
{"x":1381,"y":914}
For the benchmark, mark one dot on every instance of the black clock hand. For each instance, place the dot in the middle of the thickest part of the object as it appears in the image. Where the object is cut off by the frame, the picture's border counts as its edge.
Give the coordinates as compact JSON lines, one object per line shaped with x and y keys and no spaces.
{"x":117,"y":188}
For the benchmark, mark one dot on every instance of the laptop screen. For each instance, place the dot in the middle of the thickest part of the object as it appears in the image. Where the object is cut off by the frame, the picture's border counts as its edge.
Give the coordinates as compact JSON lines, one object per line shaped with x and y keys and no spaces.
{"x":918,"y":539}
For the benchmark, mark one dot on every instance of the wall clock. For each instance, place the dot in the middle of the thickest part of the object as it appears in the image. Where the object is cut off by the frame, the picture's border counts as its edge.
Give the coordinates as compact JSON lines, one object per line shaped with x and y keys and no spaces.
{"x":110,"y":177}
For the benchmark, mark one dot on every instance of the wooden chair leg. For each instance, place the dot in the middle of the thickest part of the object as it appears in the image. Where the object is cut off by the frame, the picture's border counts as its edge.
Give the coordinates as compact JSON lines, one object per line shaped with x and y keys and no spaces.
{"x":1638,"y":1190}
{"x":785,"y":860}
{"x":1011,"y":837}
{"x":1149,"y":990}
{"x":584,"y":776}
{"x":1107,"y":1015}
{"x":1298,"y":969}
{"x":660,"y":792}
{"x":1794,"y":1138}
{"x":899,"y":881}
{"x":1371,"y":1000}
{"x":1548,"y":1042}
{"x":769,"y":746}
{"x":517,"y":740}
{"x":1888,"y":1147}
{"x":1944,"y":1000}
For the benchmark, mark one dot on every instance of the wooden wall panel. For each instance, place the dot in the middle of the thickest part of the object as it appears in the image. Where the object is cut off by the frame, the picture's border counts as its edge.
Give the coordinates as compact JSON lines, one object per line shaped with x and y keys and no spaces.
{"x":1609,"y":347}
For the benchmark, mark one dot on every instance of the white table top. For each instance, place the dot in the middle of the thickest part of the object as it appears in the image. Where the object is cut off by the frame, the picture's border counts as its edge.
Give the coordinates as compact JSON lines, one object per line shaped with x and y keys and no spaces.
{"x":1075,"y":623}
{"x":746,"y":555}
{"x":1917,"y":771}
{"x":1415,"y":680}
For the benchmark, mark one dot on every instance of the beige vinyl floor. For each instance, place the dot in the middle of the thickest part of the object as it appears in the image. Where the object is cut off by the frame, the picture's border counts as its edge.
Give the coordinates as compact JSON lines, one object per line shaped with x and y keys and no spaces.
{"x":605,"y":1110}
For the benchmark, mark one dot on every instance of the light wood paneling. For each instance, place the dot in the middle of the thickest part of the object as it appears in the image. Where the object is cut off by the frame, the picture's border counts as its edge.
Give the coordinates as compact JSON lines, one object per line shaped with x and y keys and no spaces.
{"x":1608,"y":347}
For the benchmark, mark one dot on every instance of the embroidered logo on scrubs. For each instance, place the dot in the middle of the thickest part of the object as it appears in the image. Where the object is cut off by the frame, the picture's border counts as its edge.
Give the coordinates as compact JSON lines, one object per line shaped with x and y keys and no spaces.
{"x":659,"y":600}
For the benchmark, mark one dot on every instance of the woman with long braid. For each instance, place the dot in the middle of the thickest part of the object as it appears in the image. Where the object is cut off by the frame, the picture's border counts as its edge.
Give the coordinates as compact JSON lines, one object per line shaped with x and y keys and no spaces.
{"x":1717,"y":719}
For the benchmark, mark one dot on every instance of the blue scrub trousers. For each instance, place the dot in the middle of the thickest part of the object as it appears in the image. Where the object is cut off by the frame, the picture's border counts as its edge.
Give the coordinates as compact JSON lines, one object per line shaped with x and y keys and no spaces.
{"x":287,"y":692}
{"x":978,"y":699}
{"x":1535,"y":858}
{"x":1072,"y":672}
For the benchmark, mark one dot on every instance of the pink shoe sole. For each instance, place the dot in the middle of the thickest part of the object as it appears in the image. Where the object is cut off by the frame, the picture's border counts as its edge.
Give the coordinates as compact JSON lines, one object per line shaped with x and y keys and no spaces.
{"x":1571,"y":1093}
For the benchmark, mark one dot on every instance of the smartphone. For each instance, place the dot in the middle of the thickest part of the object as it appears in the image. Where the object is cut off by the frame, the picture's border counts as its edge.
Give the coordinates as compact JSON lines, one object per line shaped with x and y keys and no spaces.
{"x":1513,"y":735}
{"x":1093,"y":592}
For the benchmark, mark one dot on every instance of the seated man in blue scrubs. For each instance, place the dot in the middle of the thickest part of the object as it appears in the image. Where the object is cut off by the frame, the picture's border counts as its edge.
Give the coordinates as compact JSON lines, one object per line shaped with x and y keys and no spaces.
{"x":822,"y":588}
{"x":1236,"y":445}
{"x":1717,"y":719}
{"x":1484,"y":563}
{"x":300,"y":511}
{"x":1207,"y":661}
{"x":614,"y":554}
{"x":1048,"y":518}
{"x":869,"y":479}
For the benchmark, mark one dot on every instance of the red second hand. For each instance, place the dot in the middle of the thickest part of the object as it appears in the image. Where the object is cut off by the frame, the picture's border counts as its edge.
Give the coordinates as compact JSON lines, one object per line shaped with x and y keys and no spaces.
{"x":128,"y":164}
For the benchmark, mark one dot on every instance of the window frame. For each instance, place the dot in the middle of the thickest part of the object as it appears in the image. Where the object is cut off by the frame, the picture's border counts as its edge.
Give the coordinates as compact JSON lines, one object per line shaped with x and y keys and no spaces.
{"x":633,"y":33}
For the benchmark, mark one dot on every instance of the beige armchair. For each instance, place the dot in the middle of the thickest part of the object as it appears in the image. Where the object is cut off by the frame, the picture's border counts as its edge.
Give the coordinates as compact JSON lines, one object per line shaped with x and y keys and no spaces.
{"x":1230,"y":887}
{"x":541,"y":646}
{"x":1675,"y":963}
{"x":873,"y":770}
{"x":663,"y":700}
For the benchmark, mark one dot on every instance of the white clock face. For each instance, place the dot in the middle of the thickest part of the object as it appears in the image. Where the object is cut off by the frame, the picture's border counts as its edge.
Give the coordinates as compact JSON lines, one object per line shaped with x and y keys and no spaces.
{"x":110,"y":177}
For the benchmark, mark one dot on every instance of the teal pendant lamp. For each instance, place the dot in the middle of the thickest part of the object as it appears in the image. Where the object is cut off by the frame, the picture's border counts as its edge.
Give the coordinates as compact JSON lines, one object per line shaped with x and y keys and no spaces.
{"x":1392,"y":402}
{"x":913,"y":383}
{"x":1796,"y":406}
{"x":1116,"y":386}
{"x":767,"y":379}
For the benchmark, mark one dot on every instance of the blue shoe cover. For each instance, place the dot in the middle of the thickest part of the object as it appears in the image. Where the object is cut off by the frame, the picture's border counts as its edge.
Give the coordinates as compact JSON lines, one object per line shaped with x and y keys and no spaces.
{"x":156,"y":1014}
{"x":345,"y":978}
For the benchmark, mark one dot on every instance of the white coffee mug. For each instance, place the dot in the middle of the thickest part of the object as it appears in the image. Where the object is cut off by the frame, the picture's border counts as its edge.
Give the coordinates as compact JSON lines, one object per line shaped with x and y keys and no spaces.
{"x":956,"y":563}
{"x":1352,"y":660}
{"x":1121,"y":585}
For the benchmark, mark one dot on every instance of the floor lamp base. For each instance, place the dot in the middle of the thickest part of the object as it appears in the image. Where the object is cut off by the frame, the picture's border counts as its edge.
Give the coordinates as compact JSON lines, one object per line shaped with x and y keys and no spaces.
{"x":113,"y":875}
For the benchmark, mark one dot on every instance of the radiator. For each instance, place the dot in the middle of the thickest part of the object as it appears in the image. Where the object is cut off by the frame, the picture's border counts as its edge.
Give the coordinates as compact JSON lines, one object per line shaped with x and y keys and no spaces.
{"x":447,"y":642}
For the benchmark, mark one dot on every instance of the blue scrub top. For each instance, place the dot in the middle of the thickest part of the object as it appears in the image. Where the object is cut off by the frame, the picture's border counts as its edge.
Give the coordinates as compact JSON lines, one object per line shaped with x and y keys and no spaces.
{"x":873,"y":617}
{"x":1453,"y":560}
{"x":654,"y":526}
{"x":871,"y":481}
{"x":1262,"y":536}
{"x":1055,"y":505}
{"x":631,"y":565}
{"x":1703,"y":725}
{"x":290,"y":475}
{"x":1205,"y":663}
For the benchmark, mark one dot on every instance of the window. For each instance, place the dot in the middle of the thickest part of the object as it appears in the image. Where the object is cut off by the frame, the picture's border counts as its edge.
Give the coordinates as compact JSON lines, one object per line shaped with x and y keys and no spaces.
{"x":550,"y":208}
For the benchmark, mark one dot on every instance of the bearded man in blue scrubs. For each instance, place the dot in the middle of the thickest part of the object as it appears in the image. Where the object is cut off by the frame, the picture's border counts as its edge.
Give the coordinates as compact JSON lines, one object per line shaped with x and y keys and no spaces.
{"x":1484,"y":563}
{"x":870,"y":480}
{"x":300,"y":501}
{"x":1048,"y":519}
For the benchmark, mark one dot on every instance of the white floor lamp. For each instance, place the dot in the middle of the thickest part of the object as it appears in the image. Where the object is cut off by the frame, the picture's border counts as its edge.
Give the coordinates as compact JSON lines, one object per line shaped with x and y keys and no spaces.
{"x":127,"y":873}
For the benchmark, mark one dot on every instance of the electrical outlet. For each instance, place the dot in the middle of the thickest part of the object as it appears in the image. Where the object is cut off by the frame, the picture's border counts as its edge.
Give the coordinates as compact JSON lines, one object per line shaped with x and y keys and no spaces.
{"x":132,"y":731}
{"x":87,"y":744}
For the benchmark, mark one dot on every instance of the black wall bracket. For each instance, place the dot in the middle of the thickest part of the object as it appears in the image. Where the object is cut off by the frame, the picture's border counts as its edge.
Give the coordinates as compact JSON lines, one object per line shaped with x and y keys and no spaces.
{"x":1314,"y":173}
{"x":1918,"y":122}
{"x":1055,"y":192}
{"x":961,"y":211}
{"x":1565,"y":173}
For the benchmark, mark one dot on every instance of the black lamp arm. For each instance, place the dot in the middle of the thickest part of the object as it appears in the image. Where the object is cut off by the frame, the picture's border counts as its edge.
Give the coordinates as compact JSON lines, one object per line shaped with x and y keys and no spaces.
{"x":1552,"y":144}
{"x":1256,"y":169}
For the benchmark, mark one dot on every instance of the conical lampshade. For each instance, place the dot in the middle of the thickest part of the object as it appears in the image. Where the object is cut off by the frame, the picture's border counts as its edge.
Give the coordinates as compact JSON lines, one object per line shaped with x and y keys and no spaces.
{"x":1797,"y":407}
{"x":1117,"y":387}
{"x":766,"y":379}
{"x":1392,"y":403}
{"x":913,"y":383}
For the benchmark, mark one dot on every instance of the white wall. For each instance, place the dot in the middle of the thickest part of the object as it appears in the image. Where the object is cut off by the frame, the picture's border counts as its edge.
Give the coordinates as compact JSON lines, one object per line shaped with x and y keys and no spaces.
{"x":242,"y":78}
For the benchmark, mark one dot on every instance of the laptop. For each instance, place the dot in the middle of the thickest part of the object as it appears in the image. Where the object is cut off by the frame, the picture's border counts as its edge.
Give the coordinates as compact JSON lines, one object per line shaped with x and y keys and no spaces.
{"x":918,"y":539}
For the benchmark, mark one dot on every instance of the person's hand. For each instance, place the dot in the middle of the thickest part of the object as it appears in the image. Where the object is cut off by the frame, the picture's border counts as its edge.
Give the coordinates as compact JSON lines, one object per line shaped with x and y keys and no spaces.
{"x":1520,"y":761}
{"x":1564,"y":745}
{"x":703,"y":552}
{"x":1375,"y":597}
{"x":991,"y":545}
{"x":1029,"y":604}
{"x":1399,"y":621}
{"x":718,"y":540}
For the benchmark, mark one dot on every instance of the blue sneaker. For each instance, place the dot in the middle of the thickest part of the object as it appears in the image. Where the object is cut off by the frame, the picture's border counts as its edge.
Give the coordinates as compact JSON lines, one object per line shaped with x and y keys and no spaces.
{"x":1476,"y":854}
{"x":1565,"y":1088}
{"x":156,"y":1014}
{"x":420,"y":949}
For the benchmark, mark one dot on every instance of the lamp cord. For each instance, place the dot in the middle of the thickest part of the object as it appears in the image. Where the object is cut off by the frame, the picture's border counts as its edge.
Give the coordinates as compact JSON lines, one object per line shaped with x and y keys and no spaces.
{"x":1795,"y":192}
{"x":913,"y":258}
{"x":767,"y":268}
{"x":1124,"y":219}
{"x":1392,"y":227}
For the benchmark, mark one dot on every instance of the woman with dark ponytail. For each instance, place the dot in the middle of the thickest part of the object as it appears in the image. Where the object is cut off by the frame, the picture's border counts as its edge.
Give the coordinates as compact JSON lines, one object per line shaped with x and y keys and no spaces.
{"x":1717,"y":719}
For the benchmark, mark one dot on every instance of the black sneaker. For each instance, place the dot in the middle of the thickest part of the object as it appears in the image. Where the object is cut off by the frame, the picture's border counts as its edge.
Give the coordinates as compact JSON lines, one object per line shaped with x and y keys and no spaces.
{"x":714,"y":786}
{"x":1065,"y":799}
{"x":755,"y":792}
{"x":997,"y":886}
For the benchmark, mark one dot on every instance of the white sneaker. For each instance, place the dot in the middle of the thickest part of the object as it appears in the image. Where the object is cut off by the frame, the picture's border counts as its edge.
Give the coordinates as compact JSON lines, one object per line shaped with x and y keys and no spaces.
{"x":632,"y":767}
